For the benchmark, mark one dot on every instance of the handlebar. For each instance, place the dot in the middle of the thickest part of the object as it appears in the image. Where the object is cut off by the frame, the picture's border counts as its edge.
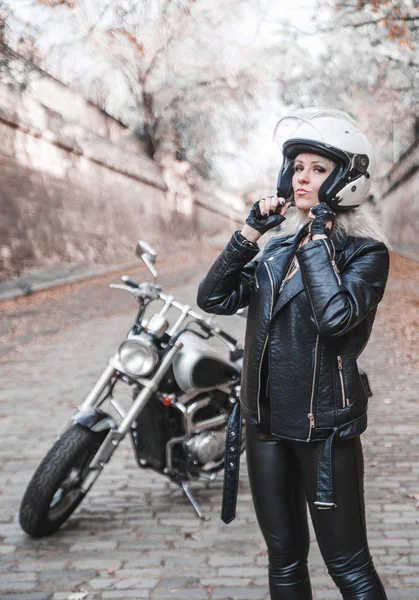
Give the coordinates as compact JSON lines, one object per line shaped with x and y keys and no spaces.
{"x":129,"y":282}
{"x":153,"y":292}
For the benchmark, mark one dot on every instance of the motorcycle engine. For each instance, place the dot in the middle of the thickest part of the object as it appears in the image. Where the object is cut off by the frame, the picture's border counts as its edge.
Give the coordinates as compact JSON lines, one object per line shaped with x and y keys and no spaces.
{"x":207,"y":447}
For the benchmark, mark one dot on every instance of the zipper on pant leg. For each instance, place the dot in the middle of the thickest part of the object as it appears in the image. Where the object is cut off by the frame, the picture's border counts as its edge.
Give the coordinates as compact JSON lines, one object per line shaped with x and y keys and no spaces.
{"x":345,"y":401}
{"x":266,"y":339}
{"x":310,"y":415}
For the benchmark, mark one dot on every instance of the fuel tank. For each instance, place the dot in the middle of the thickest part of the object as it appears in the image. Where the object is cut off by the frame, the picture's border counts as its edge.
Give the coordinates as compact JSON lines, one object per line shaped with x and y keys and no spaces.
{"x":197,"y":365}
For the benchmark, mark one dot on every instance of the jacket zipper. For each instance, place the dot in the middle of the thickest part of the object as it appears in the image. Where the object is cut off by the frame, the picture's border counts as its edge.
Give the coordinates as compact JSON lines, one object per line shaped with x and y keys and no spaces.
{"x":345,"y":401}
{"x":266,"y":339}
{"x":332,"y":259}
{"x":313,"y":385}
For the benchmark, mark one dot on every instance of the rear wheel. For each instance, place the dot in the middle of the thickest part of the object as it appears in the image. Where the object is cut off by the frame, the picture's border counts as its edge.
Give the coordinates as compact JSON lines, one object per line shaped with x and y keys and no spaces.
{"x":54,"y":491}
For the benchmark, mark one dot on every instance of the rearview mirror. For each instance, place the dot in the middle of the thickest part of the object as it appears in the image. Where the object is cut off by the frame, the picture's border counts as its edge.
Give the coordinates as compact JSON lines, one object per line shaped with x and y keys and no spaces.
{"x":147,"y":254}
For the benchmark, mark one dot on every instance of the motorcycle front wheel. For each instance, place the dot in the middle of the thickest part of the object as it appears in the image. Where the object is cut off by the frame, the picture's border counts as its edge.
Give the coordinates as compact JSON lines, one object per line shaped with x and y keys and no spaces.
{"x":54,"y":491}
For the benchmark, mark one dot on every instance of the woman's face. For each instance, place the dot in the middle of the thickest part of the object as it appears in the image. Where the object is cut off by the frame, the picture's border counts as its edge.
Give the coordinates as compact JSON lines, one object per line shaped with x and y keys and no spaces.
{"x":310,"y":170}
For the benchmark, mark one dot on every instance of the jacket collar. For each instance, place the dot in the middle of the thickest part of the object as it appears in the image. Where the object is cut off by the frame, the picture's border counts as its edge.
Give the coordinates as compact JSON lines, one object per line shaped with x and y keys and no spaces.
{"x":338,"y":241}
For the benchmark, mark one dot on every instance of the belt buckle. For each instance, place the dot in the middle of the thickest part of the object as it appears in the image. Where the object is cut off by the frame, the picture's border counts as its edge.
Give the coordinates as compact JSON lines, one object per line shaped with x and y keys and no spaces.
{"x":325,"y":505}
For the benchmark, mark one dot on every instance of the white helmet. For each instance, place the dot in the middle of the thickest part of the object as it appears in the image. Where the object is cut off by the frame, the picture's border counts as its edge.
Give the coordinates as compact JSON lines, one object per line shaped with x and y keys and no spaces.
{"x":334,"y":135}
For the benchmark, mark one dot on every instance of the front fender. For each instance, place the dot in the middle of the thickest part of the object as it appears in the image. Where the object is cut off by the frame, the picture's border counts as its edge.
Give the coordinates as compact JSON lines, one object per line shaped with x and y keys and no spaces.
{"x":94,"y":419}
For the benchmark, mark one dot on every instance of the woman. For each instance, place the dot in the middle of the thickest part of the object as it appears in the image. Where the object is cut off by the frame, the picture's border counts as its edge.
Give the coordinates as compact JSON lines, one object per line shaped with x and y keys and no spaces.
{"x":312,"y":299}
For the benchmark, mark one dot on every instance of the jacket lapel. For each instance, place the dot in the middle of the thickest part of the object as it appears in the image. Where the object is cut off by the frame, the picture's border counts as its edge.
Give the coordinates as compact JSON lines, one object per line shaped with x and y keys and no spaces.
{"x":279,"y":262}
{"x":292,"y":287}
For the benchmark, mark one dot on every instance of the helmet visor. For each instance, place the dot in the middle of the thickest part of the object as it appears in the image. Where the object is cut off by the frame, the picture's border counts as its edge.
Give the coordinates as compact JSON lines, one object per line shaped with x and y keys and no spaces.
{"x":315,"y":130}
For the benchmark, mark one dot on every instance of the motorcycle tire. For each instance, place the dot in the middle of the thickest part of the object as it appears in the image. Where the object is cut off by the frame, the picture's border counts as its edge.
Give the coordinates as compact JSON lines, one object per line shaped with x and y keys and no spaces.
{"x":54,"y":491}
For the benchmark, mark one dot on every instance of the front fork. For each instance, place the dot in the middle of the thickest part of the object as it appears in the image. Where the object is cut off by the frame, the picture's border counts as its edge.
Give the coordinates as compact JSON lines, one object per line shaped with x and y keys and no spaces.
{"x":98,"y":388}
{"x":115,"y":436}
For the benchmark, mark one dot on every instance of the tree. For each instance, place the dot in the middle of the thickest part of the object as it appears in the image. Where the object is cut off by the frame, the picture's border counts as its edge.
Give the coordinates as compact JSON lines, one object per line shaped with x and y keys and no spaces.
{"x":381,"y":67}
{"x":18,"y":64}
{"x":178,"y":71}
{"x":365,"y":67}
{"x":399,"y":19}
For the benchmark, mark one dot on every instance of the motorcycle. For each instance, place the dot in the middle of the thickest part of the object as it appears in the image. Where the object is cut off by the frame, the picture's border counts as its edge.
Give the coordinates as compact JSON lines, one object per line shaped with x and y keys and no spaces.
{"x":183,"y":392}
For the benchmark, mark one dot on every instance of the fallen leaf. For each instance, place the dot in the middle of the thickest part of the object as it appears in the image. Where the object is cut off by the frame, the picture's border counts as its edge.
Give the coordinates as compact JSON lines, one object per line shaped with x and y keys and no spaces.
{"x":192,"y":536}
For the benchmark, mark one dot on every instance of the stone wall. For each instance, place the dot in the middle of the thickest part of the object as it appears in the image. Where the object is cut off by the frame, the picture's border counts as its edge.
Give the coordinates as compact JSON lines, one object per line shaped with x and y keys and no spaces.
{"x":75,"y":186}
{"x":400,"y":204}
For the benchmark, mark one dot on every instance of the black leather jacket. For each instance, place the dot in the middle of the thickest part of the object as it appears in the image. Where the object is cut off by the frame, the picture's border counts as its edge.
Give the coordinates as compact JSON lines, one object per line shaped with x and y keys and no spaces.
{"x":313,"y":331}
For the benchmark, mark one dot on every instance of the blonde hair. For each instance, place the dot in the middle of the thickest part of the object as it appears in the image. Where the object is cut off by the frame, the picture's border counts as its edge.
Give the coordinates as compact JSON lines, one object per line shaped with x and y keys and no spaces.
{"x":359,"y":222}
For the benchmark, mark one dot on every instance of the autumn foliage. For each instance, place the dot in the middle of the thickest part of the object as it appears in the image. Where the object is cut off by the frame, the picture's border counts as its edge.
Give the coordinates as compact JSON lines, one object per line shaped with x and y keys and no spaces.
{"x":399,"y":18}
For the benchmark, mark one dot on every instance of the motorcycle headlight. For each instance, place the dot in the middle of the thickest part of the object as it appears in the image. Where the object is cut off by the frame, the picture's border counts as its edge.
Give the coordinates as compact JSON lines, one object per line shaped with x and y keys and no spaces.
{"x":137,"y":356}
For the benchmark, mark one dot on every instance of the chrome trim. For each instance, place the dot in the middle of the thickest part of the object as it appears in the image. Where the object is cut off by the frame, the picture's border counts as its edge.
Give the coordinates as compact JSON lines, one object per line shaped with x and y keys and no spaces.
{"x":189,"y":411}
{"x":191,"y":427}
{"x":98,"y":388}
{"x":183,"y":315}
{"x":146,"y":392}
{"x":210,"y":423}
{"x":325,"y":505}
{"x":185,"y":397}
{"x":157,"y":325}
{"x":117,"y":407}
{"x":143,"y":342}
{"x":310,"y":414}
{"x":168,"y":450}
{"x":115,"y":436}
{"x":189,"y":494}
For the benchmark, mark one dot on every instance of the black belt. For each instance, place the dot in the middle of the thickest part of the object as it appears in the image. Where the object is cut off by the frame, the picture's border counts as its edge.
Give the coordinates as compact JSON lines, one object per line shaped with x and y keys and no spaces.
{"x":325,"y":497}
{"x":231,"y":465}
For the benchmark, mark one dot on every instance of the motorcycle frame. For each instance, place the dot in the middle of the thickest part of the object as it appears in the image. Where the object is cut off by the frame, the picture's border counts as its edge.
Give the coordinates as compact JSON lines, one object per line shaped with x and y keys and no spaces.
{"x":148,"y":388}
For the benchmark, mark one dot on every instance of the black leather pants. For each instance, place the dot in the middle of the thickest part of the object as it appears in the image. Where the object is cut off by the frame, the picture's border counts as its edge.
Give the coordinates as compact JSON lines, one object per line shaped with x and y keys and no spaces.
{"x":282,"y":476}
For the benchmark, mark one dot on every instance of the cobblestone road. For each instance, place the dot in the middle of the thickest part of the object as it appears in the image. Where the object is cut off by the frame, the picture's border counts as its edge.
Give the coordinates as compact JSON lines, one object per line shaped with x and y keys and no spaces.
{"x":135,"y":535}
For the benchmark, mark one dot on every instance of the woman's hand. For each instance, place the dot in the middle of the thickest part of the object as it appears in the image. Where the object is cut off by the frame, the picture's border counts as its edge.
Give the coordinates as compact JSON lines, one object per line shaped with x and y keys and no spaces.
{"x":264,"y":215}
{"x":323,"y":220}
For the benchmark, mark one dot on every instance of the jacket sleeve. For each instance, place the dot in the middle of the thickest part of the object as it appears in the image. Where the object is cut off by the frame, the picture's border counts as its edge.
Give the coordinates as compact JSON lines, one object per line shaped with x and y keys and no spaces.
{"x":340,"y":301}
{"x":226,"y":287}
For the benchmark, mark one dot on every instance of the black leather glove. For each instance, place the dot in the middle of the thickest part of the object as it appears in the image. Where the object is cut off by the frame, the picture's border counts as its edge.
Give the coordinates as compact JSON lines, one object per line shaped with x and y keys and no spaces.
{"x":323,"y":214}
{"x":262,"y":223}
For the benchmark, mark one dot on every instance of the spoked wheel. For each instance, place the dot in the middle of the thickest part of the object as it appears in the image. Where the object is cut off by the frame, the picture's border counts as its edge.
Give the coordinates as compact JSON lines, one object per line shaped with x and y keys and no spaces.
{"x":54,"y":491}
